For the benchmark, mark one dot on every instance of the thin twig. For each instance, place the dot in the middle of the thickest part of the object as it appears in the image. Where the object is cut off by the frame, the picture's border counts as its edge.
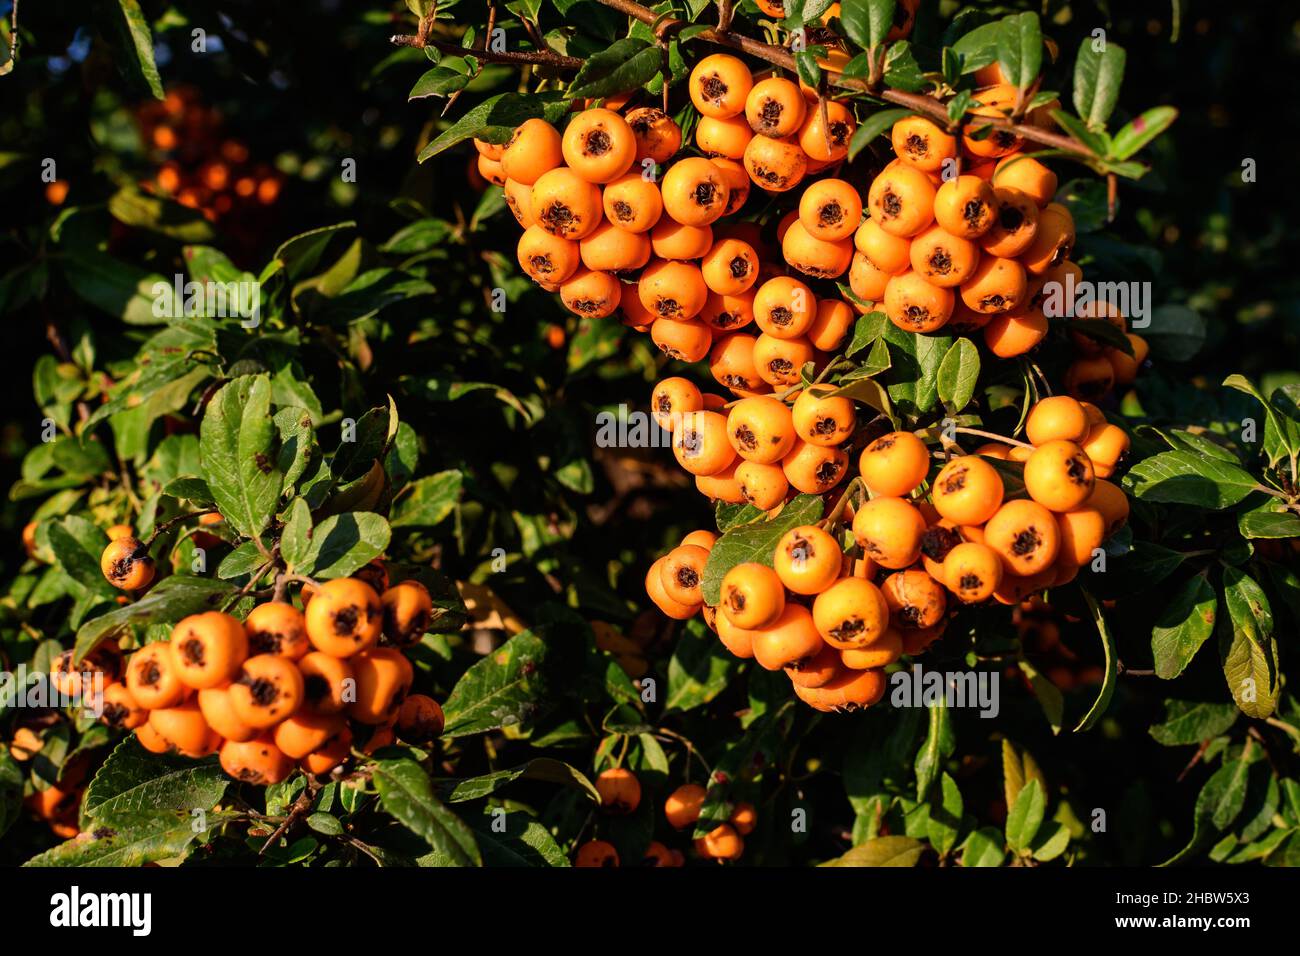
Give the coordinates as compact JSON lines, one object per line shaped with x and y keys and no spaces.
{"x":999,"y":438}
{"x":13,"y":36}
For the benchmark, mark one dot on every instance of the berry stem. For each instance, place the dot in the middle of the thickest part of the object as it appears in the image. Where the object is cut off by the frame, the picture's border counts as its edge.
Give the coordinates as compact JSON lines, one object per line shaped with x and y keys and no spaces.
{"x":165,"y":525}
{"x":1000,"y":438}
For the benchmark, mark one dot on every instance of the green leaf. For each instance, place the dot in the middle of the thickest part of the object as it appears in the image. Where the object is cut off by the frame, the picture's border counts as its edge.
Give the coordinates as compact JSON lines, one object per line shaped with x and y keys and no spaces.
{"x":1183,"y":477}
{"x":1269,"y":521}
{"x":245,"y":559}
{"x":507,"y":687}
{"x":1247,"y":646}
{"x":1186,"y":622}
{"x":1111,"y":676}
{"x":77,"y":553}
{"x":1020,"y":48}
{"x":874,"y":125}
{"x":155,"y":214}
{"x":755,"y":542}
{"x":495,"y":118}
{"x":167,"y":602}
{"x":132,"y":31}
{"x":867,"y":22}
{"x":945,"y":815}
{"x":882,"y":851}
{"x":915,"y":360}
{"x":11,"y":790}
{"x":810,"y":72}
{"x":1281,"y":434}
{"x":1026,"y":816}
{"x":1051,"y":842}
{"x":428,"y":500}
{"x":513,"y":838}
{"x":1193,"y":721}
{"x":135,"y":782}
{"x":302,"y":252}
{"x":543,"y":769}
{"x":440,"y":81}
{"x":983,"y":847}
{"x":1097,"y":77}
{"x":940,"y":742}
{"x":191,"y":489}
{"x":1048,"y":694}
{"x":902,"y":72}
{"x":406,"y":792}
{"x":869,"y":329}
{"x":625,"y":65}
{"x":1177,"y":332}
{"x":345,"y":543}
{"x":119,"y":288}
{"x":133,"y":840}
{"x":238,"y":446}
{"x":700,"y":668}
{"x":1141,"y":130}
{"x":958,"y":373}
{"x":419,"y":236}
{"x":1095,"y":140}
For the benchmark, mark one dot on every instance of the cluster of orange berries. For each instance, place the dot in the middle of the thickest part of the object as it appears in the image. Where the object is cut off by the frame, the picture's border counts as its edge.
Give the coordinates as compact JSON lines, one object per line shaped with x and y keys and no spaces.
{"x":203,"y":169}
{"x":620,"y":793}
{"x":864,"y":609}
{"x":980,"y":251}
{"x":593,"y":205}
{"x":277,"y":688}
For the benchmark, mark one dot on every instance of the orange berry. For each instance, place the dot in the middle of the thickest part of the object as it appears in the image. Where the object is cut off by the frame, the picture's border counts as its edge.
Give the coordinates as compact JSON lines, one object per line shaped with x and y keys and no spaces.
{"x":682,"y":573}
{"x":701,"y":443}
{"x":775,"y":108}
{"x":752,"y":597}
{"x":207,"y":649}
{"x":894,"y":464}
{"x":565,"y":205}
{"x":967,"y":491}
{"x":915,"y":599}
{"x":789,"y":641}
{"x":730,"y":267}
{"x":598,"y":145}
{"x":915,"y":305}
{"x":814,"y":469}
{"x":972,"y":572}
{"x":658,"y":137}
{"x":851,"y":613}
{"x":1059,"y":475}
{"x":889,"y":253}
{"x":889,"y":530}
{"x":827,"y":143}
{"x":694,"y":192}
{"x":545,"y":258}
{"x":921,"y":143}
{"x":672,"y":290}
{"x":1025,"y":536}
{"x":784,"y":307}
{"x":682,"y":808}
{"x":807,"y":560}
{"x":632,"y":204}
{"x":534,"y":150}
{"x":719,"y":86}
{"x":619,"y":789}
{"x":776,"y":165}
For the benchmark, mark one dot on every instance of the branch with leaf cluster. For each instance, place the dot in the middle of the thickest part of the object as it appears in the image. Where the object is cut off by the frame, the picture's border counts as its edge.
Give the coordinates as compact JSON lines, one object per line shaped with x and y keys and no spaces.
{"x":665,"y":26}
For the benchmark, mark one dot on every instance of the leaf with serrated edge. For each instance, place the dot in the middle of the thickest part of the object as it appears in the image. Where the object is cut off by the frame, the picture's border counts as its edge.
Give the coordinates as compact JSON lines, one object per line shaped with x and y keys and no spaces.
{"x":755,"y":542}
{"x":237,"y":444}
{"x":407,"y":793}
